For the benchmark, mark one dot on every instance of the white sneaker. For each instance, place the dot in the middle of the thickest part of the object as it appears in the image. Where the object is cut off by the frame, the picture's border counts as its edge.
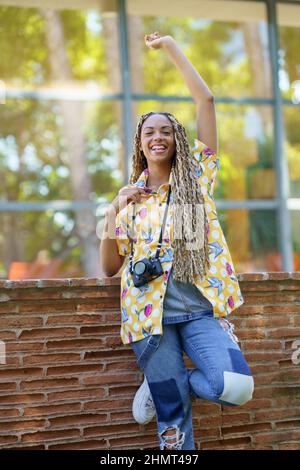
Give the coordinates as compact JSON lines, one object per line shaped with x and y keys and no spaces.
{"x":143,"y":408}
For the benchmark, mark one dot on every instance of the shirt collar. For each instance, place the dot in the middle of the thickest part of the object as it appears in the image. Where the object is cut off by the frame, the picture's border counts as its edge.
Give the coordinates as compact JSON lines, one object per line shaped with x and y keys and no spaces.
{"x":142,"y":181}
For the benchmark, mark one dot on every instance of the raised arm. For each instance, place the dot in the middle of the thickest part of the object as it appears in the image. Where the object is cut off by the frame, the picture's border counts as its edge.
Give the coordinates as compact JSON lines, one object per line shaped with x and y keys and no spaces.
{"x":203,"y":97}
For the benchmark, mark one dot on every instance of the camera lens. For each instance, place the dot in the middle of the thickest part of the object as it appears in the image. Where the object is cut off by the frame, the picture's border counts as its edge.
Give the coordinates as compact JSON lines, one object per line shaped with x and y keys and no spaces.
{"x":139,"y":267}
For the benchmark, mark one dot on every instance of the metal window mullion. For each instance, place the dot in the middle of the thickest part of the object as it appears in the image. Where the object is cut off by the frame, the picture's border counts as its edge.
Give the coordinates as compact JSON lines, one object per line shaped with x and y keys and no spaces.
{"x":282,"y":177}
{"x":126,"y":85}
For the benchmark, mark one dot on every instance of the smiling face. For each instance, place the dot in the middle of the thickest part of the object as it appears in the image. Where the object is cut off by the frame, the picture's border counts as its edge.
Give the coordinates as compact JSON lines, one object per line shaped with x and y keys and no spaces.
{"x":157,"y":139}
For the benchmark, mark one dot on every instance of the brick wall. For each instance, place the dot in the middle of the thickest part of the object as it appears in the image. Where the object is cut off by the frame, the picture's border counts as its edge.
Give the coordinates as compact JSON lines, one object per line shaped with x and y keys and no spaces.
{"x":68,"y":381}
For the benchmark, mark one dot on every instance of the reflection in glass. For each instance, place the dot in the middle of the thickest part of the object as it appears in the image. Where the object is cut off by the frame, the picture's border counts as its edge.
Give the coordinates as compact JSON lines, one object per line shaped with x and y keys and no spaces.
{"x":229,"y":47}
{"x":245,"y":147}
{"x":295,"y":224}
{"x":289,"y":61}
{"x":51,"y":250}
{"x":252,"y":239}
{"x":88,"y":59}
{"x":60,"y":151}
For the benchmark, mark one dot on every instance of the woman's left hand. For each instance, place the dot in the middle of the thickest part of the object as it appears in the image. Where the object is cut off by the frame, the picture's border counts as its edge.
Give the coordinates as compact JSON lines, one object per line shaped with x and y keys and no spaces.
{"x":156,"y":41}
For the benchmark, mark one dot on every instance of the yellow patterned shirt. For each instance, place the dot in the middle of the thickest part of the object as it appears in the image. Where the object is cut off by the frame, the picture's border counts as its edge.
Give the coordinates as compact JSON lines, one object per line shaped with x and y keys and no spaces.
{"x":142,"y":307}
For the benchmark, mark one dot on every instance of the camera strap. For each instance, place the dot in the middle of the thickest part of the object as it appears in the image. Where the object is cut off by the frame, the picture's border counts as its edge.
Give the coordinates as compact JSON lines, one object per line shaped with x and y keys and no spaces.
{"x":161,"y":231}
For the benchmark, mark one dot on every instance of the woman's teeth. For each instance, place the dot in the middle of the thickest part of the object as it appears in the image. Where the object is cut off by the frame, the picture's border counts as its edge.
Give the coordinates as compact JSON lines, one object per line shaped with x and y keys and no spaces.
{"x":158,"y":149}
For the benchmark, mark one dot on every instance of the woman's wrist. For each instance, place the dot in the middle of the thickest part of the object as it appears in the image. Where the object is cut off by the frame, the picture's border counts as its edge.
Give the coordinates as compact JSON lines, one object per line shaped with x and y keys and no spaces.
{"x":168,"y":42}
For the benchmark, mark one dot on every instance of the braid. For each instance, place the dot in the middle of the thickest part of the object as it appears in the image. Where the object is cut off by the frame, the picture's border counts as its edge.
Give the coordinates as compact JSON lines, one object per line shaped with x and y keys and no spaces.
{"x":188,"y":263}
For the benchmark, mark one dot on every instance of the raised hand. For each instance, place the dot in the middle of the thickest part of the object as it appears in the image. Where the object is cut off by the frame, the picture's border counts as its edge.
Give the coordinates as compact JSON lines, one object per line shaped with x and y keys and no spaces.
{"x":155,"y":40}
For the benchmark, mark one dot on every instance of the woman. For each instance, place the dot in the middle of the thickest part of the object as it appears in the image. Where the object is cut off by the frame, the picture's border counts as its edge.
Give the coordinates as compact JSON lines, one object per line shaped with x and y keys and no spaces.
{"x":178,"y":283}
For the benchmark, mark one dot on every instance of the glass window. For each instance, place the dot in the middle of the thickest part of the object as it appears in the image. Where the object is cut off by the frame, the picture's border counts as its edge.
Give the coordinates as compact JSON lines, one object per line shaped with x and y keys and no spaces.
{"x":245,"y":146}
{"x":295,"y":223}
{"x":288,"y":16}
{"x":252,"y":239}
{"x":228,"y":45}
{"x":59,"y":52}
{"x":291,"y":116}
{"x":52,"y":249}
{"x":59,"y":140}
{"x":289,"y":36}
{"x":49,"y":149}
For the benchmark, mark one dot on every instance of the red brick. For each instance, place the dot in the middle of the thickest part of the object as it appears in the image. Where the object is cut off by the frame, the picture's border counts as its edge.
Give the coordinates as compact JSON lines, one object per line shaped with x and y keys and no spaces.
{"x":91,"y":377}
{"x":79,"y":419}
{"x":139,"y":442}
{"x":274,"y":437}
{"x":122,"y":416}
{"x":76,"y":369}
{"x":15,"y":321}
{"x":75,"y":344}
{"x":253,"y":277}
{"x":289,"y":446}
{"x":125,"y":390}
{"x":50,"y":435}
{"x":8,"y":308}
{"x":100,"y":330}
{"x":20,"y":399}
{"x":251,"y":333}
{"x":24,"y":347}
{"x":8,"y":335}
{"x":258,"y":404}
{"x":226,"y":443}
{"x":249,"y":311}
{"x":289,"y":424}
{"x":9,"y":413}
{"x":54,"y":283}
{"x":107,"y":405}
{"x":285,"y":333}
{"x":248,"y":429}
{"x":109,"y":379}
{"x":52,"y":410}
{"x":49,"y":384}
{"x":262,"y":344}
{"x":113,"y":429}
{"x":74,"y":319}
{"x":77,"y":394}
{"x":115,"y":354}
{"x":281,"y":309}
{"x":264,"y":356}
{"x":28,"y":307}
{"x":237,"y":418}
{"x":295,"y":275}
{"x":270,"y":299}
{"x":81,"y":445}
{"x":8,"y":439}
{"x":50,"y":358}
{"x":270,"y":322}
{"x":11,"y":361}
{"x":128,"y":365}
{"x":278,"y":276}
{"x":21,"y":373}
{"x":22,"y":425}
{"x":112,"y":341}
{"x":8,"y":387}
{"x":48,"y":333}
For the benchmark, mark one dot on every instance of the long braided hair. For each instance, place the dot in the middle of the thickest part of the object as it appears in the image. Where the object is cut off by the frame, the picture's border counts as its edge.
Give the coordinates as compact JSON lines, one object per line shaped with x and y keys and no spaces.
{"x":190,"y":258}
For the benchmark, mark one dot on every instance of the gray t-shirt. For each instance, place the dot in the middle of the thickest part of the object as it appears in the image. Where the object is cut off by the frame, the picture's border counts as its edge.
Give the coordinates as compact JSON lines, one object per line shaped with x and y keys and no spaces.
{"x":183,"y":302}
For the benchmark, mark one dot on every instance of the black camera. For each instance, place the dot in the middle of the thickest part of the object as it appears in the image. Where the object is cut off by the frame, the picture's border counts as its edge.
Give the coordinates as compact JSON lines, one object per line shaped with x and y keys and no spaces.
{"x":145,"y":270}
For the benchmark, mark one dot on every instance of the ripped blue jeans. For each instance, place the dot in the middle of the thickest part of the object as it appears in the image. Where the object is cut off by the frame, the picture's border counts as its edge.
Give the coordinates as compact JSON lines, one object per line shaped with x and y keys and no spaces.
{"x":221,"y":374}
